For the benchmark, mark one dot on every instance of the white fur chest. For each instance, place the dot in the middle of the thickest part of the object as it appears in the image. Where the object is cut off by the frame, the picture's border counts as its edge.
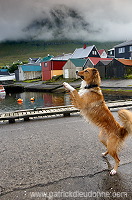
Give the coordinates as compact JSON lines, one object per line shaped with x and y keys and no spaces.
{"x":82,"y":90}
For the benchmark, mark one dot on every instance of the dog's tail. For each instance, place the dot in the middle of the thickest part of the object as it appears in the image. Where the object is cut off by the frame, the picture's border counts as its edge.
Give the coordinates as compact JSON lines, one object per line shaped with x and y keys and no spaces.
{"x":126,"y":119}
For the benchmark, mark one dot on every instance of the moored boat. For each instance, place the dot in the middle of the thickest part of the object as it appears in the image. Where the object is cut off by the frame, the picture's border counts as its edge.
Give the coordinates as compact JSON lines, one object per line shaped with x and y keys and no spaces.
{"x":2,"y":89}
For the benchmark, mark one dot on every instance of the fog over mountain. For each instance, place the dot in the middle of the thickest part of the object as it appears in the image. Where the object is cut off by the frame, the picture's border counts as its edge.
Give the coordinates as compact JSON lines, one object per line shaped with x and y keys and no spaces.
{"x":101,"y":20}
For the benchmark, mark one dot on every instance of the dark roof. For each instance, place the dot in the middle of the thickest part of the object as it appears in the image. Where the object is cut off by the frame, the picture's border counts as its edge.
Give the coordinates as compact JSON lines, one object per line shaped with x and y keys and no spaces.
{"x":105,"y":62}
{"x":124,"y":44}
{"x":33,"y":59}
{"x":95,"y":60}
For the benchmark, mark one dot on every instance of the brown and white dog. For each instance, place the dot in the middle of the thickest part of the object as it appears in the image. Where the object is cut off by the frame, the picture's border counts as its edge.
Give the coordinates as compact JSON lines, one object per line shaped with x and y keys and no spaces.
{"x":92,"y":106}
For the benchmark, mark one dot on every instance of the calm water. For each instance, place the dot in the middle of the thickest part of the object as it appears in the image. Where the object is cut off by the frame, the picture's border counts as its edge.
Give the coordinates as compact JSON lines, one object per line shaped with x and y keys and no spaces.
{"x":9,"y":101}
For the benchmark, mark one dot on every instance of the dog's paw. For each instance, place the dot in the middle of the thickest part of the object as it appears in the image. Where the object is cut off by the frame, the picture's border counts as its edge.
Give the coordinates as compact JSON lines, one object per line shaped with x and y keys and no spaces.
{"x":68,"y":87}
{"x":65,"y":85}
{"x":113,"y":172}
{"x":104,"y":154}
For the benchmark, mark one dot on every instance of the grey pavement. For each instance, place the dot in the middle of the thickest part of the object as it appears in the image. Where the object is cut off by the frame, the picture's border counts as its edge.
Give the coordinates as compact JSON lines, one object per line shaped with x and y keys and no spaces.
{"x":60,"y":158}
{"x":112,"y":83}
{"x":117,"y":83}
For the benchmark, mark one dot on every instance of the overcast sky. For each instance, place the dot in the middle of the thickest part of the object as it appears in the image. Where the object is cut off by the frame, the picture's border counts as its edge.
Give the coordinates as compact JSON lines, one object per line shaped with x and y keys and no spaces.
{"x":102,"y":20}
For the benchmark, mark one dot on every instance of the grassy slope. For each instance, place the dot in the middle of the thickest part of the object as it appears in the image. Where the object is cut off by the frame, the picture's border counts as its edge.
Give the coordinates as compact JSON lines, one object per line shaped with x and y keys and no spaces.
{"x":14,"y":51}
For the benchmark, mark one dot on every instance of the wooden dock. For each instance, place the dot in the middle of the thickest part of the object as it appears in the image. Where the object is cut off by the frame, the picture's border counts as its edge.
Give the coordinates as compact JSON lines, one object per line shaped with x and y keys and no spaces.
{"x":58,"y":111}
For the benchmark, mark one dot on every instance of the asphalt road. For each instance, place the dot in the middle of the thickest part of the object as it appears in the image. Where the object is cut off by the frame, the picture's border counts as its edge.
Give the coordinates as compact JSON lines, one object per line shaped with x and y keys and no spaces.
{"x":60,"y":159}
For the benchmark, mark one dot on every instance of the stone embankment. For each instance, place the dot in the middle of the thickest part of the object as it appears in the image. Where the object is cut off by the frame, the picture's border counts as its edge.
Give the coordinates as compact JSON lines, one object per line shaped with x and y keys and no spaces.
{"x":125,"y":84}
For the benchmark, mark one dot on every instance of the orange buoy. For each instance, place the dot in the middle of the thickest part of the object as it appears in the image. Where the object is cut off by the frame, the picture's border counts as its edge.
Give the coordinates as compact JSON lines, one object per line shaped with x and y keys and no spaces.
{"x":19,"y":100}
{"x":32,"y":99}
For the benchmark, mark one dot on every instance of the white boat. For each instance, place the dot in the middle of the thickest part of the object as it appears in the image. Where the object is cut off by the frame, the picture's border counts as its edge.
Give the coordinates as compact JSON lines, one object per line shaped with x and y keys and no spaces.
{"x":7,"y":77}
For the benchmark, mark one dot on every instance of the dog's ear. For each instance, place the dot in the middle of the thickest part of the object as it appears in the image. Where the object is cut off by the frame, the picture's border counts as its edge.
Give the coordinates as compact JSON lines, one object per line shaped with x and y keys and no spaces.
{"x":96,"y":77}
{"x":95,"y":71}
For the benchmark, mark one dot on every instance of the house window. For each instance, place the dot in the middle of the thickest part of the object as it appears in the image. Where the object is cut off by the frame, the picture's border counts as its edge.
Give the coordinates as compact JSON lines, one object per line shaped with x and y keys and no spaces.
{"x":130,"y":48}
{"x":110,"y":52}
{"x":122,"y":50}
{"x":45,"y":64}
{"x":94,"y":52}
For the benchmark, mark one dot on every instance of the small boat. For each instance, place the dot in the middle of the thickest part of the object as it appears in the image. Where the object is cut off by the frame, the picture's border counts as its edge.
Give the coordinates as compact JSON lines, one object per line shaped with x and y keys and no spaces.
{"x":2,"y":92}
{"x":2,"y":89}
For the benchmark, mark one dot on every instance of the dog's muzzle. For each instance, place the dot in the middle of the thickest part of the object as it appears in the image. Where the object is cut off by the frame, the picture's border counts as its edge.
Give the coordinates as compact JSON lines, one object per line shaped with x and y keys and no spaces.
{"x":82,"y":77}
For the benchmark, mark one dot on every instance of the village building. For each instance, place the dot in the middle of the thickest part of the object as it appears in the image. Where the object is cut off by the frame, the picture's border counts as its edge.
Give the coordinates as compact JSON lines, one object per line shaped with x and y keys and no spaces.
{"x":111,"y":53}
{"x":34,"y":60}
{"x":54,"y":66}
{"x":47,"y":58}
{"x":102,"y":67}
{"x":85,"y":52}
{"x":92,"y":61}
{"x":73,"y":65}
{"x":124,"y":50}
{"x":102,"y":53}
{"x":118,"y":68}
{"x":28,"y":71}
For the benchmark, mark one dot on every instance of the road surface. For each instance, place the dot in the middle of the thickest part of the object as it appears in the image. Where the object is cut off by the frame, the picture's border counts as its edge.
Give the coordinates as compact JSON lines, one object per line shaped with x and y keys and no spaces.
{"x":60,"y":158}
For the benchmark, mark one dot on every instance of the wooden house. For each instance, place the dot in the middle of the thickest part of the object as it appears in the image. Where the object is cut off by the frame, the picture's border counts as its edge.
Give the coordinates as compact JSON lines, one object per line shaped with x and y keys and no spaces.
{"x":119,"y":68}
{"x":124,"y":50}
{"x":28,"y":71}
{"x":102,"y":67}
{"x":92,"y":62}
{"x":73,"y":65}
{"x":54,"y":66}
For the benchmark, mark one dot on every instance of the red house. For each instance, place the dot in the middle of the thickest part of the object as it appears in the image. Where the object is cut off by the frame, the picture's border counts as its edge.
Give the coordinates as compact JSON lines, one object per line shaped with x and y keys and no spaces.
{"x":54,"y":66}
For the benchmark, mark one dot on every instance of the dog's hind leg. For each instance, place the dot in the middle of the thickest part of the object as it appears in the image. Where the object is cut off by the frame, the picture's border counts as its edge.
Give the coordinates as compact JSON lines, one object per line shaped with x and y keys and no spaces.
{"x":117,"y":161}
{"x":112,"y":149}
{"x":103,"y":139}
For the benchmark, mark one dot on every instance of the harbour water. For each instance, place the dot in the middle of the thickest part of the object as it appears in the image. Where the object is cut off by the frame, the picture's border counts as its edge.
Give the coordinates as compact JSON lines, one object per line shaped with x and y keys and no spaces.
{"x":9,"y":102}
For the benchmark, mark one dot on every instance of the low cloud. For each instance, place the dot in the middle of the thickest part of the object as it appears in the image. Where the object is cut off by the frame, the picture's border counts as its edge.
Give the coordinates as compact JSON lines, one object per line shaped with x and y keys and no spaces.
{"x":101,"y":20}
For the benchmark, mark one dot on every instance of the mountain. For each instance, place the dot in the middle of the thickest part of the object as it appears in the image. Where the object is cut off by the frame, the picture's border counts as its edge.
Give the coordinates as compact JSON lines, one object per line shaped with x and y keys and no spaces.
{"x":60,"y":22}
{"x":11,"y":51}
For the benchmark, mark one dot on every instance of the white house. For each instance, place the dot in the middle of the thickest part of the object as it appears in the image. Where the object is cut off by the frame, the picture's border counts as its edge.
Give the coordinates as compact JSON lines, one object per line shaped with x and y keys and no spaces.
{"x":85,"y":52}
{"x":28,"y":71}
{"x":102,"y":53}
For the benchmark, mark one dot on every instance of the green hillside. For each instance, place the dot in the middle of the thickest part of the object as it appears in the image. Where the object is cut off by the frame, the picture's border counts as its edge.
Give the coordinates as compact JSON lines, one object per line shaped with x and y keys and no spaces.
{"x":13,"y":51}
